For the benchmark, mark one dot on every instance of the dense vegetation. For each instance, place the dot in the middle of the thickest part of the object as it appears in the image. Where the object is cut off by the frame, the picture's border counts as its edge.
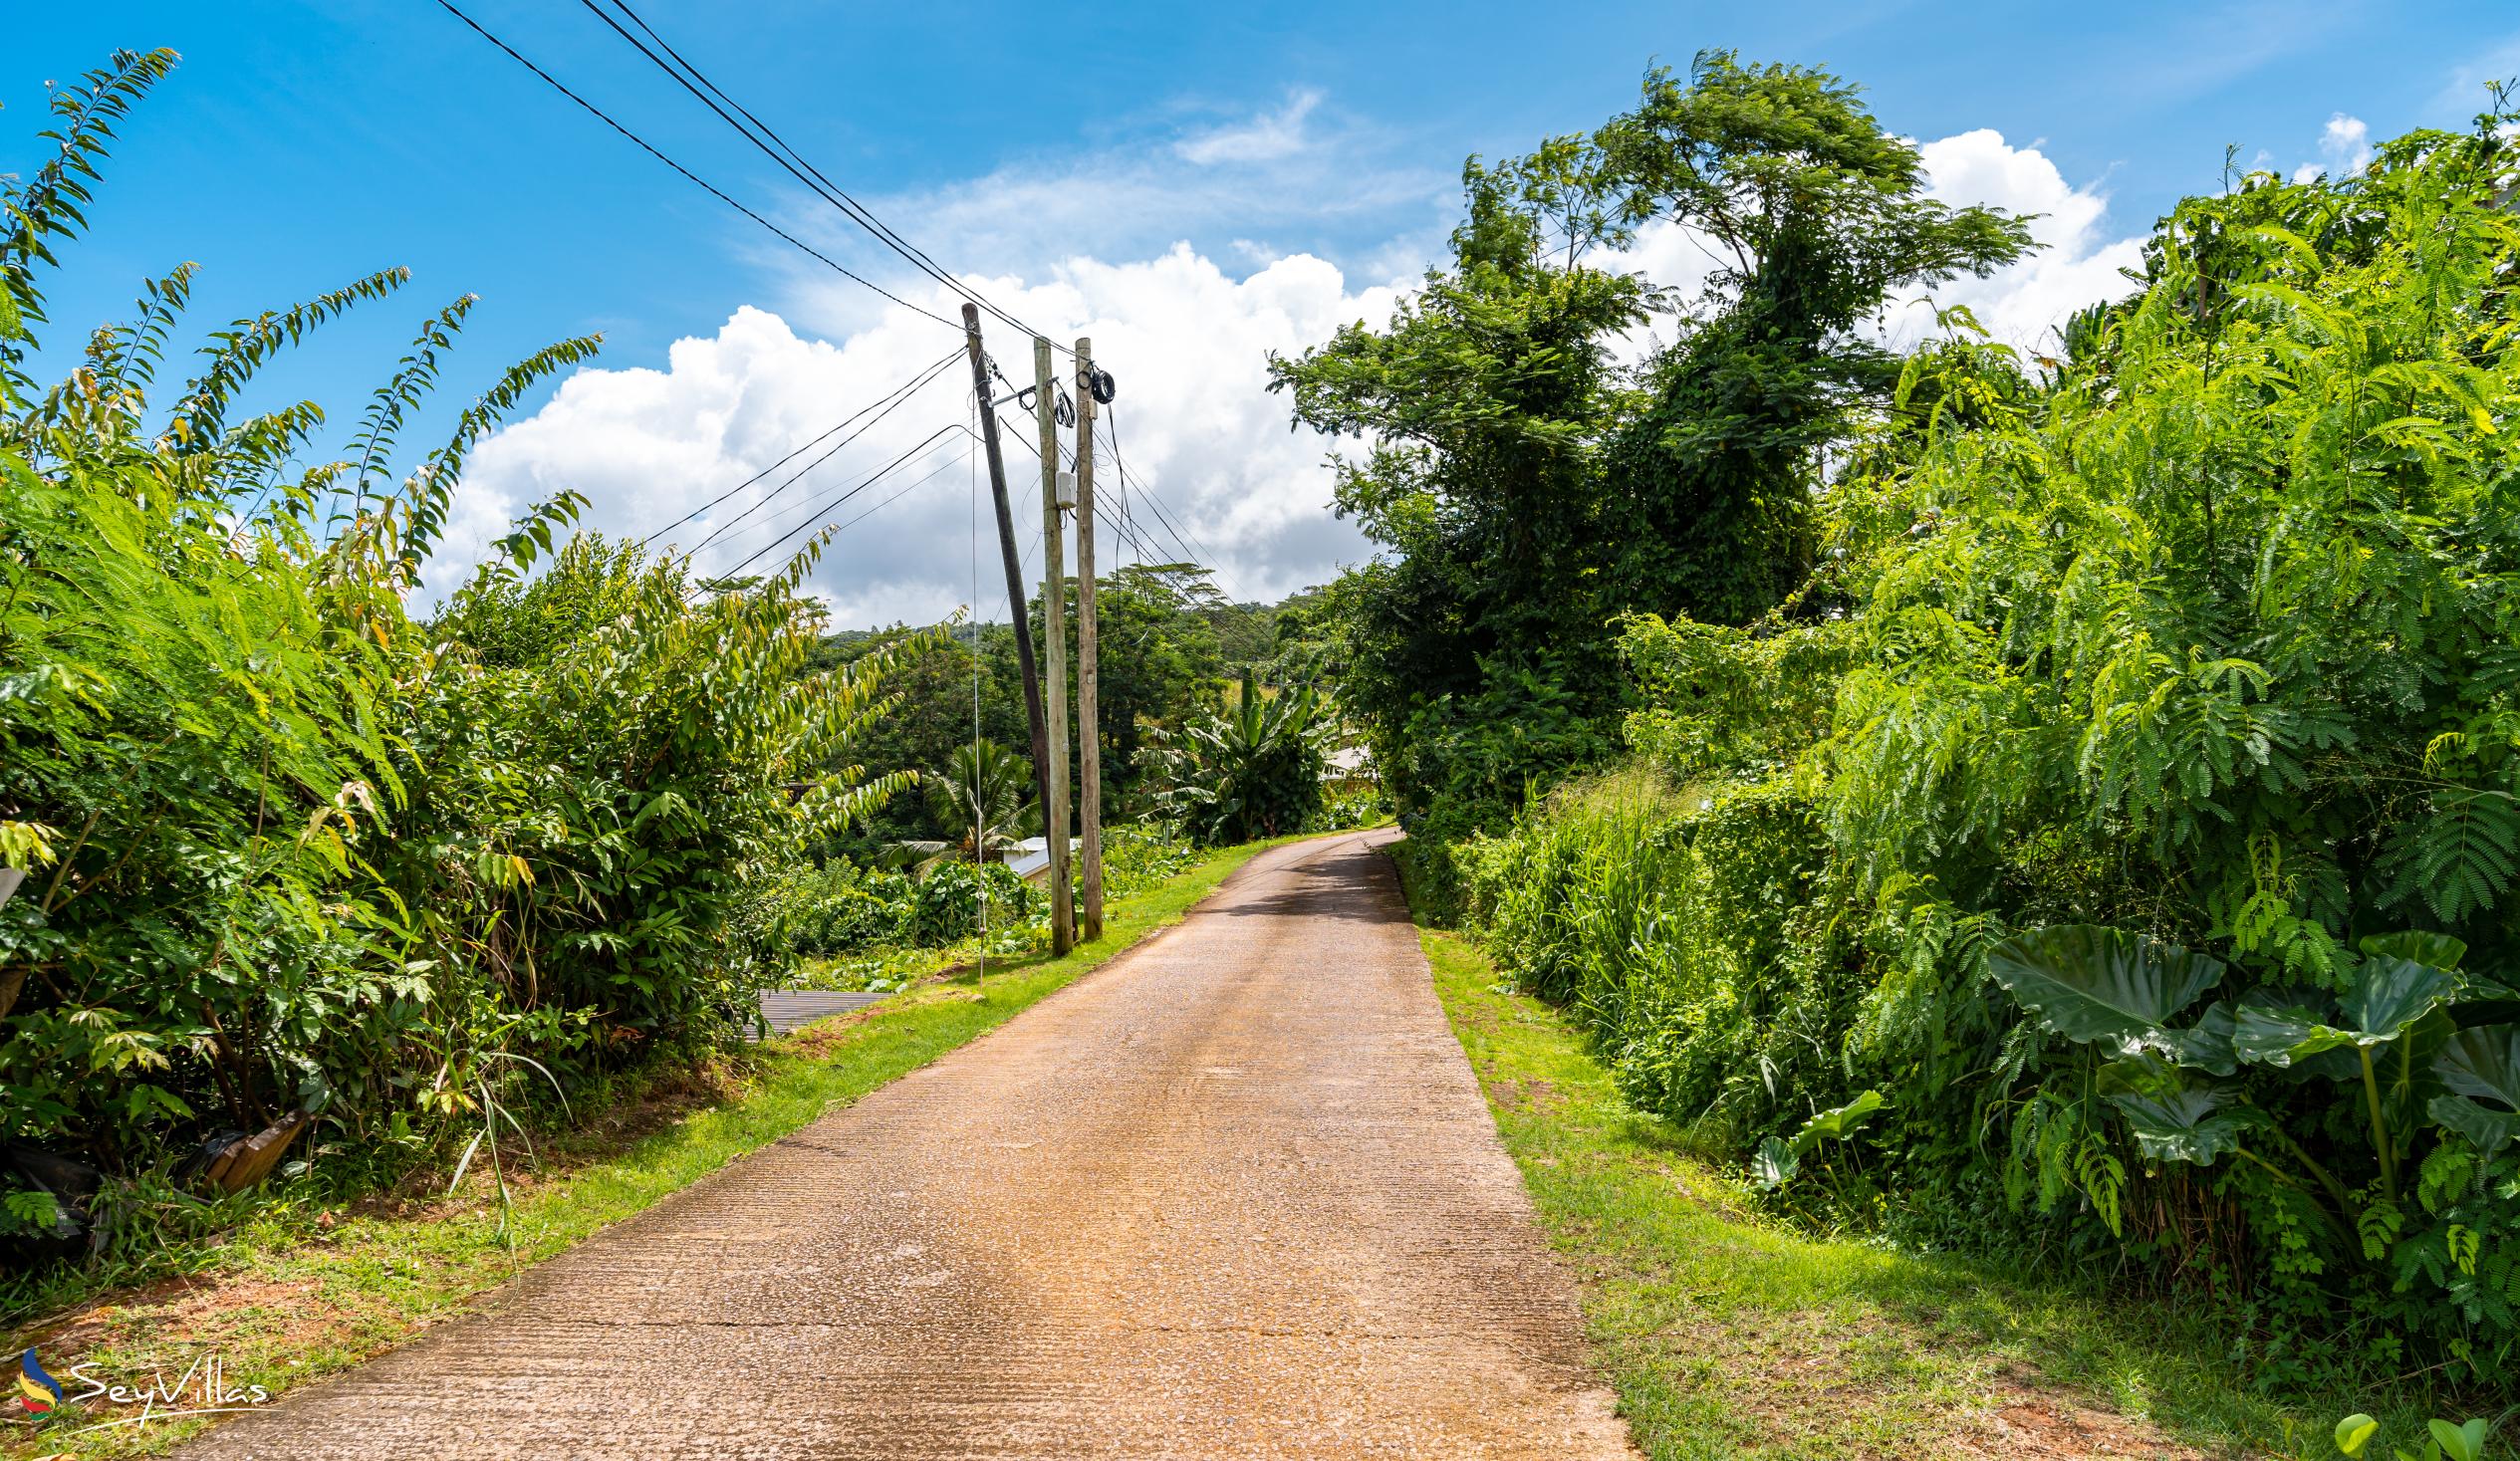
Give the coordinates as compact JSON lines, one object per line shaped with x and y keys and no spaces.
{"x":1527,"y":488}
{"x":2072,"y":800}
{"x":288,"y":849}
{"x":1167,"y":639}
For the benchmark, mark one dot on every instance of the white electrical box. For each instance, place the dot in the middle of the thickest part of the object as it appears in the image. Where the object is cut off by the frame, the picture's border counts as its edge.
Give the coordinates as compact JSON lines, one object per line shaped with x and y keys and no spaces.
{"x":1065,"y":491}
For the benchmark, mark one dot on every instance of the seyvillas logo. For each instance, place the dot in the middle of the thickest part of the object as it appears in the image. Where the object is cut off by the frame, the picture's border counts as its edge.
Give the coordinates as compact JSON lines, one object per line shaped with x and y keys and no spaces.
{"x":201,"y":1390}
{"x":39,"y":1393}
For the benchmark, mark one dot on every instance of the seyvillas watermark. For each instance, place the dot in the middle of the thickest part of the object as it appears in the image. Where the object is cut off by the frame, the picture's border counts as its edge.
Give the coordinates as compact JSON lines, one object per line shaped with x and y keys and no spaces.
{"x":200,"y":1390}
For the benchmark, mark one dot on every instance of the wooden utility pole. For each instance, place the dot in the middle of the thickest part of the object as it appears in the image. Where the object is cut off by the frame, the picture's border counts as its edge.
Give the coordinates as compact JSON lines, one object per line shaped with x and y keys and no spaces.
{"x":1054,"y":628}
{"x":1089,"y":672}
{"x":1014,"y":560}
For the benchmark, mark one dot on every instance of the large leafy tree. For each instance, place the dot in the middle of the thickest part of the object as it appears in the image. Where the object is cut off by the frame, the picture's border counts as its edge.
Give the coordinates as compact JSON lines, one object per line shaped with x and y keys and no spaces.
{"x":1526,"y":488}
{"x":1820,"y":216}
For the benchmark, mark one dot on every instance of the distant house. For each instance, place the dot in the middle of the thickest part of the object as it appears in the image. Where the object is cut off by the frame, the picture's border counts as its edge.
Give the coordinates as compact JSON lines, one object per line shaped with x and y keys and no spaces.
{"x":1031,"y":858}
{"x":1349,"y":769}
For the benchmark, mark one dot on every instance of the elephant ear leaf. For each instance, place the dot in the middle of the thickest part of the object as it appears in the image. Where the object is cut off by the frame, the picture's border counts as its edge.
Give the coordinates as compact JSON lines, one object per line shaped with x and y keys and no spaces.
{"x":2389,"y":994}
{"x":2481,"y":1067}
{"x":1836,"y":1125}
{"x":2206,"y":1045}
{"x":2088,"y":982}
{"x":1775,"y":1163}
{"x":2459,"y":1442}
{"x":2490,"y":1129}
{"x":2415,"y":946}
{"x":2174,"y":1117}
{"x":2483,"y":1062}
{"x":2278,"y":1035}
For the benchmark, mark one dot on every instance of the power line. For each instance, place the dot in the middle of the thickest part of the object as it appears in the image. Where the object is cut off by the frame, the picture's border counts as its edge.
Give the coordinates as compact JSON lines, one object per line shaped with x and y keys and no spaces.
{"x":894,"y":402}
{"x":837,"y":529}
{"x":1205,"y":556}
{"x":904,"y":492}
{"x":777,"y":150}
{"x":713,"y":191}
{"x":949,"y":357}
{"x":817,"y":512}
{"x":1126,"y":526}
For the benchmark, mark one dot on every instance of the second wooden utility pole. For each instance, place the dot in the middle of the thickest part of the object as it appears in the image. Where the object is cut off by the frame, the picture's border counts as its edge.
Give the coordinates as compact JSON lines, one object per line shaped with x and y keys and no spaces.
{"x":1088,"y":675}
{"x":1054,"y":630}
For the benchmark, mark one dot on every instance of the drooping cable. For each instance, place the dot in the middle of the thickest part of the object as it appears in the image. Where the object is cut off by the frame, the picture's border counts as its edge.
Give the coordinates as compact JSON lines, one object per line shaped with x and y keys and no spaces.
{"x":951,"y":356}
{"x":820,"y":510}
{"x":643,"y":145}
{"x":893,"y":403}
{"x":771,"y":144}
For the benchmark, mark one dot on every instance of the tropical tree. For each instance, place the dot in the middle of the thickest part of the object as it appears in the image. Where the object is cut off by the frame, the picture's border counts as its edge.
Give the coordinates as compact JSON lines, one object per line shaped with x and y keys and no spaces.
{"x":1527,"y":489}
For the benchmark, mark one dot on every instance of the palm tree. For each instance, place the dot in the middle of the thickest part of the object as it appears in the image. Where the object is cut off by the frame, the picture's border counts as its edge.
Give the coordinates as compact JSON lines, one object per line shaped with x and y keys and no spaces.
{"x":982,"y":800}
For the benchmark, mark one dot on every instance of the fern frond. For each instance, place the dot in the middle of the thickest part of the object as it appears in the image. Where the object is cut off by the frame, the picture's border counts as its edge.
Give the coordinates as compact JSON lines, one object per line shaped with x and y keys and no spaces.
{"x":245,"y":346}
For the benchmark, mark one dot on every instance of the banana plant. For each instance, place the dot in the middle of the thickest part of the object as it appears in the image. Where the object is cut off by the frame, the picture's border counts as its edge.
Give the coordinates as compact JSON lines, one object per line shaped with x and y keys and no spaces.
{"x":2395,"y":1031}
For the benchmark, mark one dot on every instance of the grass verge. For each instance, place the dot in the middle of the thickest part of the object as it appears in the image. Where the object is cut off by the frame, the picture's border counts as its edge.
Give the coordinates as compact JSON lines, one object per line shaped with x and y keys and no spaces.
{"x":1729,"y":1336}
{"x":292,"y":1294}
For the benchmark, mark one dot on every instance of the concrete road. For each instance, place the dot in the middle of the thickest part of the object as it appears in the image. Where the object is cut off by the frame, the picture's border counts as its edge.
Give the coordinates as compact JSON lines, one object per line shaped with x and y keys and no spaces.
{"x":1235,"y":1194}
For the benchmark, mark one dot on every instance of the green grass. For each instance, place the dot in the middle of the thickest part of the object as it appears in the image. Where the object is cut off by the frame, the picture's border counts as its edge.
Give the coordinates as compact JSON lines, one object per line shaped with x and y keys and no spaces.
{"x":1730,"y":1335}
{"x":296,"y":1293}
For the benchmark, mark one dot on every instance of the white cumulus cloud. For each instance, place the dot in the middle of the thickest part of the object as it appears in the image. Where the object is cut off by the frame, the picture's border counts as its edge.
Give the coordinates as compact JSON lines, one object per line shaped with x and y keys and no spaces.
{"x":2079,"y":263}
{"x":2344,"y":148}
{"x":1187,"y":343}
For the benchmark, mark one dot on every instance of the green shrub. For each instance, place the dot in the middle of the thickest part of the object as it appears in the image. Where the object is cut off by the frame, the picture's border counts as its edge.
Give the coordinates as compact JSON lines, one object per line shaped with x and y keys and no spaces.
{"x":1140,"y":855}
{"x":945,"y":906}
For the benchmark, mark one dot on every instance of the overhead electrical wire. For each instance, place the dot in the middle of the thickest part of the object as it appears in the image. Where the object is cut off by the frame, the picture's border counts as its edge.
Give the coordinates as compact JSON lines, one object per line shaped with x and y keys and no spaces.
{"x":643,"y":145}
{"x":1204,"y":556}
{"x":767,"y":140}
{"x":890,"y":406}
{"x":820,"y":511}
{"x":691,"y":78}
{"x":904,"y":492}
{"x":949,"y":357}
{"x":1123,"y":526}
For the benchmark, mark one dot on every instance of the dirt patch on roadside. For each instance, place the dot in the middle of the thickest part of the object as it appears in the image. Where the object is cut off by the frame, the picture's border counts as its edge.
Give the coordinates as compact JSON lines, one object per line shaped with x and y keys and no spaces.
{"x":2024,"y":1421}
{"x":1524,"y":1094}
{"x":1813,"y":1379}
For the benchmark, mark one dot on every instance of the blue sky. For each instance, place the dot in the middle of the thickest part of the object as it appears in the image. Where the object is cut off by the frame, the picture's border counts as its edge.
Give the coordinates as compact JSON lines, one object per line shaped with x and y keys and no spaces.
{"x":1065,"y":152}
